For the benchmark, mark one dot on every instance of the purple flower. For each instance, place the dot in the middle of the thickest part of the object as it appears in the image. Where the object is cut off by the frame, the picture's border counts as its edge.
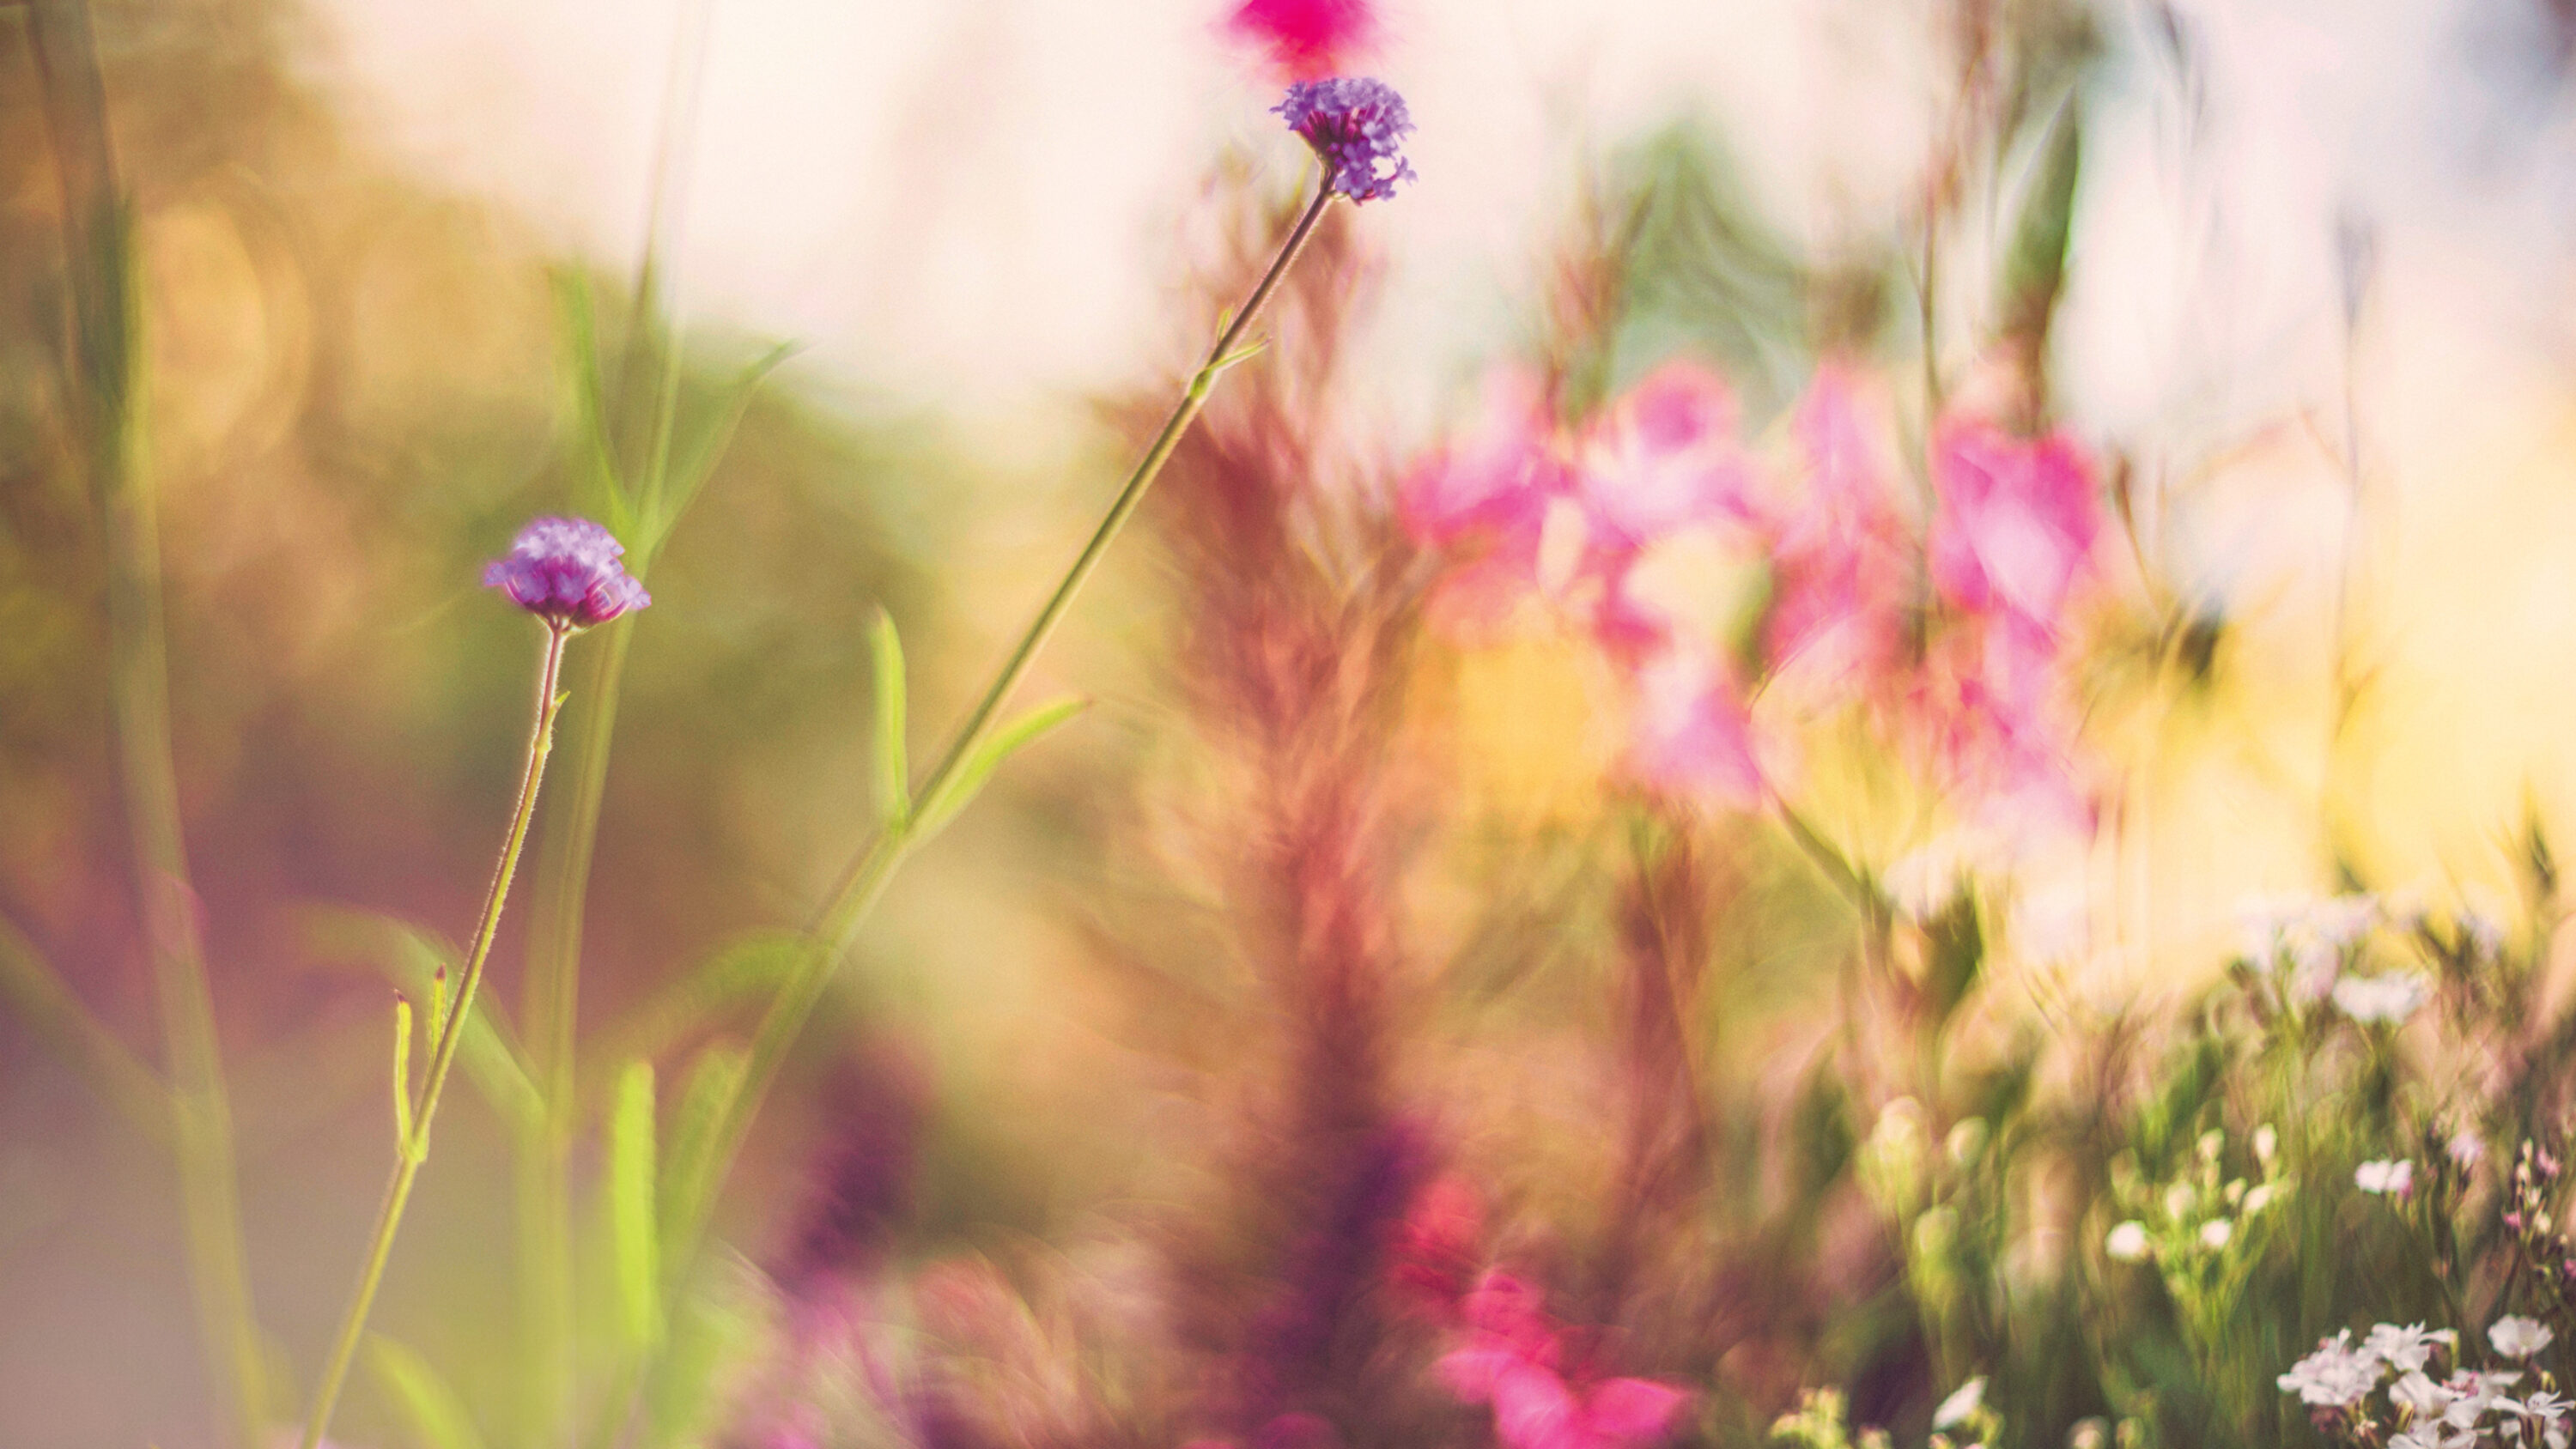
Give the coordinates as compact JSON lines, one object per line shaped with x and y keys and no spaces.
{"x":1357,"y":127}
{"x":565,"y":571}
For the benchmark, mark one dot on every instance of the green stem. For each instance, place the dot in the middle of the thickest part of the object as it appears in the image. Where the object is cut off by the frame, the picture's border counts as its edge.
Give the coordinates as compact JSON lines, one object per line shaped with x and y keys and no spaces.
{"x":835,"y":927}
{"x":103,"y":391}
{"x":446,"y":1035}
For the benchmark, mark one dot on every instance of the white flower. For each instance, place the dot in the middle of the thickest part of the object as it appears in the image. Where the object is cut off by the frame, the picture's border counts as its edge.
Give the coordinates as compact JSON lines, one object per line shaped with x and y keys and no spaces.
{"x":2259,"y":1199}
{"x":2127,"y":1243}
{"x":2389,"y":999}
{"x":2518,"y":1337}
{"x":2466,"y":1149}
{"x":2266,"y":1142}
{"x":2406,"y":1349}
{"x":2337,"y":1375}
{"x":2420,"y":1396}
{"x":2395,"y":1178}
{"x":1956,"y":1408}
{"x":2215,"y":1233}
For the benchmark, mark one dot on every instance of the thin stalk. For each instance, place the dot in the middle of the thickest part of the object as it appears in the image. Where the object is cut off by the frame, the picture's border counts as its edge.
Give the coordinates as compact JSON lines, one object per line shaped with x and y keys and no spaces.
{"x":409,"y":1155}
{"x":835,"y":927}
{"x":103,"y":392}
{"x":553,"y":990}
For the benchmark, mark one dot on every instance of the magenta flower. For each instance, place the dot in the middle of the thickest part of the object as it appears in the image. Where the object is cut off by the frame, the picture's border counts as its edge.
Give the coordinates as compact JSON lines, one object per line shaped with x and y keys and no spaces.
{"x":2017,"y":519}
{"x":566,"y":572}
{"x":1843,"y":553}
{"x":1511,"y":1360}
{"x":1307,"y":39}
{"x":1691,"y":735}
{"x":1664,"y":458}
{"x":1357,"y":127}
{"x":1484,"y":499}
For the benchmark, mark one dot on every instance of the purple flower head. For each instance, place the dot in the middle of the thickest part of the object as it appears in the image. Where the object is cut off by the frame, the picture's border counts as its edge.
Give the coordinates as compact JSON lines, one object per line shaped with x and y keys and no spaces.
{"x":565,"y":571}
{"x":1357,"y":127}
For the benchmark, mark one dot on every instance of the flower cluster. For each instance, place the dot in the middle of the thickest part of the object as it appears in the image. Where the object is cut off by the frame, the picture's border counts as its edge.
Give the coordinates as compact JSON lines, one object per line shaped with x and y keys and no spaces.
{"x":2204,"y":1215}
{"x":1821,"y":1421}
{"x":1357,"y":128}
{"x":2465,"y":1407}
{"x":1707,"y":571}
{"x":1306,"y":39}
{"x":566,"y":572}
{"x":1516,"y":1360}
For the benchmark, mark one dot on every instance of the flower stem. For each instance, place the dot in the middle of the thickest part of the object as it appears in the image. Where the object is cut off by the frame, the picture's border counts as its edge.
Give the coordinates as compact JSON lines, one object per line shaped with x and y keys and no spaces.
{"x":445,"y":1037}
{"x":835,"y":927}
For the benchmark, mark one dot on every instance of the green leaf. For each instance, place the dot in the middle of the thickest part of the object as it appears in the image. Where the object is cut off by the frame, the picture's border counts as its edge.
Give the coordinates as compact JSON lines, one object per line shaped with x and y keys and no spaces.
{"x":961,"y":789}
{"x":38,"y":997}
{"x":597,"y":481}
{"x":2035,"y":269}
{"x":716,"y":1330}
{"x":436,"y":1413}
{"x":707,"y":444}
{"x":751,"y":969}
{"x":633,"y":1236}
{"x":893,"y":766}
{"x":402,"y":1075}
{"x":412,"y":959}
{"x":689,"y":1170}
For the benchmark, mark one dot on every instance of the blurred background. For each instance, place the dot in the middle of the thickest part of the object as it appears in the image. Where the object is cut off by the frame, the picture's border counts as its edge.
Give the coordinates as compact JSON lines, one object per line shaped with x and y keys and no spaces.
{"x":1090,"y":1099}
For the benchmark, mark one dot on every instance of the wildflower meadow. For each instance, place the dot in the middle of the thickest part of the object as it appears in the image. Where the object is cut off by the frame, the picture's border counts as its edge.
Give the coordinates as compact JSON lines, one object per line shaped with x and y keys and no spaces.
{"x":1287,"y":724}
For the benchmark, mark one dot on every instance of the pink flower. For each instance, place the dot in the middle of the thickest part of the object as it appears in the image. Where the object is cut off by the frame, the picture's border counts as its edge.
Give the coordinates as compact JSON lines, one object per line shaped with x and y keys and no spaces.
{"x":1692,"y":735}
{"x":2017,"y":519}
{"x":1511,"y":1361}
{"x":1664,"y":458}
{"x":1987,"y":708}
{"x":1484,"y":499}
{"x":1843,"y":553}
{"x":1307,"y":39}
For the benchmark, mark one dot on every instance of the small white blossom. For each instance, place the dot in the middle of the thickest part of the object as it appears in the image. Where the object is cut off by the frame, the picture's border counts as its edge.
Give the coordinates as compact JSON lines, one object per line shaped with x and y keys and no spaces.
{"x":2407,"y":1349}
{"x":2215,"y":1233}
{"x":2389,"y":999}
{"x":2517,"y":1337}
{"x":2394,"y":1178}
{"x":2337,"y":1375}
{"x":1956,"y":1408}
{"x":2420,"y":1396}
{"x":2127,"y":1243}
{"x":2266,"y":1142}
{"x":2259,"y":1199}
{"x":2466,"y":1149}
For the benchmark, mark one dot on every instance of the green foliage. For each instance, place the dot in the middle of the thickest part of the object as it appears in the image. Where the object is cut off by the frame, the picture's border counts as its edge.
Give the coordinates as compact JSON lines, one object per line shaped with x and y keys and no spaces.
{"x":437,"y":1415}
{"x":971,"y":776}
{"x":633,"y":1188}
{"x":893,"y":768}
{"x":418,"y":963}
{"x":691,"y":1168}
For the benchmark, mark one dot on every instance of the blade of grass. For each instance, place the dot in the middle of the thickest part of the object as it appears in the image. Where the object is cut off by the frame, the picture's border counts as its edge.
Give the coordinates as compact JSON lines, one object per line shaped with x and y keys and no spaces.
{"x":101,"y":390}
{"x":437,"y":1414}
{"x":633,"y":1231}
{"x":49,"y":1008}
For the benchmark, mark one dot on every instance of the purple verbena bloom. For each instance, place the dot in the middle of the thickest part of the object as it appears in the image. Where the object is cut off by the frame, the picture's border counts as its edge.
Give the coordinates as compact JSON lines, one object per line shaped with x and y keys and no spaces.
{"x":566,"y":572}
{"x":1357,"y":127}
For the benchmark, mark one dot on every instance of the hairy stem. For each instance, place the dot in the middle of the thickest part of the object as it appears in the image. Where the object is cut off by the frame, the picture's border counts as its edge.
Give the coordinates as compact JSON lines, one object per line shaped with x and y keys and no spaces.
{"x":835,"y":926}
{"x":446,"y":1034}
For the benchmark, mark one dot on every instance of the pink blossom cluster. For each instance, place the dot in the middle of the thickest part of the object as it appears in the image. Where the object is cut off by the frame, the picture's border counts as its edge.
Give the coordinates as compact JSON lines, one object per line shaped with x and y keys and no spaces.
{"x":1807,"y":565}
{"x":1544,"y":1397}
{"x":1545,"y":1382}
